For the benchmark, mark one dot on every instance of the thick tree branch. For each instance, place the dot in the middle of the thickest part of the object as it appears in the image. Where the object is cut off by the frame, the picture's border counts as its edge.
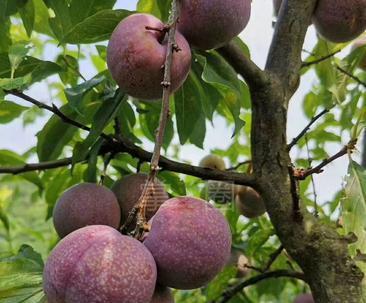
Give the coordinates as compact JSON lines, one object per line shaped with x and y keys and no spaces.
{"x":231,"y":292}
{"x":284,"y":59}
{"x":251,"y":73}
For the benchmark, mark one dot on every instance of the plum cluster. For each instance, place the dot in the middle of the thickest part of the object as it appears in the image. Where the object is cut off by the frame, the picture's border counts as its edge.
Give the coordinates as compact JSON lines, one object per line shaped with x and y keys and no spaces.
{"x":188,"y":244}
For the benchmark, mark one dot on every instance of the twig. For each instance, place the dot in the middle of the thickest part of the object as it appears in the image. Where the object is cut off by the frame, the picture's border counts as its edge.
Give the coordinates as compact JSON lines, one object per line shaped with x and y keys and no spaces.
{"x":305,"y":130}
{"x":139,"y":208}
{"x":28,"y":167}
{"x":307,"y":64}
{"x":316,"y":212}
{"x":231,"y":292}
{"x":319,"y":168}
{"x":358,"y":80}
{"x":55,"y":110}
{"x":273,"y":258}
{"x":239,"y":164}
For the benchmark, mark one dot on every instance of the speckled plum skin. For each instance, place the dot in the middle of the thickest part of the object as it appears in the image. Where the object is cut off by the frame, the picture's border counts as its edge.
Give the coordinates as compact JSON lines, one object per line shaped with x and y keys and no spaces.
{"x":190,"y":241}
{"x":209,"y":24}
{"x":340,"y":20}
{"x":96,"y":264}
{"x":129,"y":189}
{"x":249,"y":202}
{"x":304,"y":298}
{"x":162,"y":295}
{"x":136,"y":57}
{"x":85,"y":204}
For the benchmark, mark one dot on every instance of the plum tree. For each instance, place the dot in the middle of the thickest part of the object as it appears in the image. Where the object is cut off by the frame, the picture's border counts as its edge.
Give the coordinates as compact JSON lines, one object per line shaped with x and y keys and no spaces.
{"x":85,"y":204}
{"x":96,"y":264}
{"x":136,"y":54}
{"x":239,"y":260}
{"x":339,"y":20}
{"x":162,"y":295}
{"x":190,"y":241}
{"x":129,"y":189}
{"x":304,"y":298}
{"x":249,"y":202}
{"x":202,"y":20}
{"x":361,"y":42}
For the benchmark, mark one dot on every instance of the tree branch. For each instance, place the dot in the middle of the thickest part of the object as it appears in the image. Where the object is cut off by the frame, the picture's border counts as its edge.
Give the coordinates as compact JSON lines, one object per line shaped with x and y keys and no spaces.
{"x":302,"y":175}
{"x":55,"y":110}
{"x":305,"y":130}
{"x":347,"y":73}
{"x":284,"y":58}
{"x":251,"y":73}
{"x":309,"y":63}
{"x":231,"y":292}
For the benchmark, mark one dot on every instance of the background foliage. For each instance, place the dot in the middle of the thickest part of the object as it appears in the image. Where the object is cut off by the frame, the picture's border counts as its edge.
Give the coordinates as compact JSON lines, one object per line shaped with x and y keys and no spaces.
{"x":76,"y":31}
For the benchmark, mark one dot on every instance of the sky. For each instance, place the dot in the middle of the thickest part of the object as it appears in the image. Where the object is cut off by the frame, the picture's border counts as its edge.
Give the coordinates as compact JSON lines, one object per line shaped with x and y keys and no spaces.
{"x":257,"y":35}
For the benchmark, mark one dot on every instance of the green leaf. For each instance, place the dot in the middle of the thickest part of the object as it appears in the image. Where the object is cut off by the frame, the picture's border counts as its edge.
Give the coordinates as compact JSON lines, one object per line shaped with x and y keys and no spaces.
{"x":95,"y":28}
{"x":21,"y":277}
{"x":188,"y":108}
{"x":27,"y":13}
{"x":91,"y":171}
{"x":19,"y":83}
{"x":103,"y":116}
{"x":174,"y":183}
{"x":150,"y":7}
{"x":218,"y":285}
{"x":17,"y":53}
{"x":75,"y":94}
{"x":5,"y":40}
{"x":354,"y":206}
{"x":9,"y":159}
{"x":70,"y":69}
{"x":81,"y":9}
{"x":60,"y":19}
{"x":55,"y":135}
{"x":9,"y":111}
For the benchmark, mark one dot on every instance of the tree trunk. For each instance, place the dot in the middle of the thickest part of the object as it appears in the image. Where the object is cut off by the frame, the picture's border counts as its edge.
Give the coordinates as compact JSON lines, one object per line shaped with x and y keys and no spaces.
{"x":317,"y":248}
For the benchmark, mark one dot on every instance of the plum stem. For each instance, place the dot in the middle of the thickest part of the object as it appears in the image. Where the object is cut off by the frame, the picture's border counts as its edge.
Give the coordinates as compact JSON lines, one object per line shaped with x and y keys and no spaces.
{"x":139,"y":208}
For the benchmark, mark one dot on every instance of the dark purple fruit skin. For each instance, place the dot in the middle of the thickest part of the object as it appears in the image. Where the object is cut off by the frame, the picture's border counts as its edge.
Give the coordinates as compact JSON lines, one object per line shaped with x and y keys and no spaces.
{"x":190,"y":241}
{"x":162,"y":295}
{"x":209,"y":24}
{"x":129,"y":189}
{"x":85,"y":204}
{"x":339,"y":20}
{"x":304,"y":298}
{"x":135,"y":57}
{"x":96,"y":264}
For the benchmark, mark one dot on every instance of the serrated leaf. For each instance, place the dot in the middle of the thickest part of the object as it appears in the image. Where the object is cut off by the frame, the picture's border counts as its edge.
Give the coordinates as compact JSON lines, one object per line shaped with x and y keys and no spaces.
{"x":60,"y":19}
{"x":9,"y":111}
{"x":95,"y":28}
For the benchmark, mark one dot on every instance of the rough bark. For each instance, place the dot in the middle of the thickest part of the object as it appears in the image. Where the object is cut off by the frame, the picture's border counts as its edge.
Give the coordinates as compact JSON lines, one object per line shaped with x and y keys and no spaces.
{"x":318,"y":249}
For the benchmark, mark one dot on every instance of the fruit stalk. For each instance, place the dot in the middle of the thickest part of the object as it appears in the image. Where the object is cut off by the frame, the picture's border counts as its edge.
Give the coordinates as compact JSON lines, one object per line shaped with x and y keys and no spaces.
{"x":139,"y":209}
